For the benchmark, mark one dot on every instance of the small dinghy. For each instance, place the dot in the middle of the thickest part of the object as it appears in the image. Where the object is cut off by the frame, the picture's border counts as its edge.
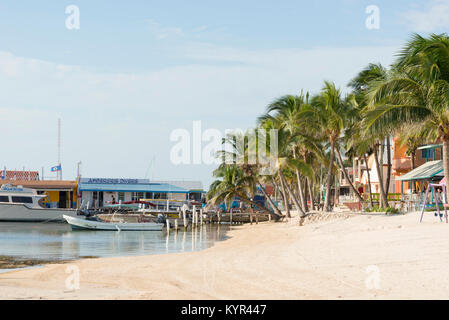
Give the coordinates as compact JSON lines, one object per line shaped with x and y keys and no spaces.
{"x":90,"y":224}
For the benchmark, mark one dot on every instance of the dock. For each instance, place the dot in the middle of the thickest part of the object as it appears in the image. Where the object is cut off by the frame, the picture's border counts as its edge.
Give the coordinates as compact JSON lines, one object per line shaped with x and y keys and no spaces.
{"x":190,"y":219}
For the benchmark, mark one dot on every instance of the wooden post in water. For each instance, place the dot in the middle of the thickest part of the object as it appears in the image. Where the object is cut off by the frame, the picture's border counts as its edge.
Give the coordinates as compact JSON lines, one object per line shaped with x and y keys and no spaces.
{"x":168,"y":225}
{"x":176,"y":225}
{"x":201,"y":216}
{"x":250,"y":218}
{"x":230,"y":216}
{"x":269,"y":217}
{"x":184,"y":218}
{"x":194,"y":217}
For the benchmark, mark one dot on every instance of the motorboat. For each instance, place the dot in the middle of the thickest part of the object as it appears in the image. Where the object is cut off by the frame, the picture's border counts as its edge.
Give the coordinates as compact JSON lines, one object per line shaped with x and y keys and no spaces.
{"x":18,"y":204}
{"x":95,"y":223}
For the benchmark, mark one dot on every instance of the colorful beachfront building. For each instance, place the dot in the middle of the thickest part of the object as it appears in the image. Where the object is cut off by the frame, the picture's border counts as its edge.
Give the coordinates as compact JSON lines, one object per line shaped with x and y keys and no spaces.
{"x":401,"y":164}
{"x":97,"y":192}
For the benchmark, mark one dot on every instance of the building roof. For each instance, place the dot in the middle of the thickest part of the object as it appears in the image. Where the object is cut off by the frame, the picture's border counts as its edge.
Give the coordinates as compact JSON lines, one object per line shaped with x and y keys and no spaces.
{"x":21,"y":175}
{"x":188,"y":185}
{"x":427,"y":171}
{"x":128,"y":185}
{"x":43,"y":184}
{"x":430,"y":146}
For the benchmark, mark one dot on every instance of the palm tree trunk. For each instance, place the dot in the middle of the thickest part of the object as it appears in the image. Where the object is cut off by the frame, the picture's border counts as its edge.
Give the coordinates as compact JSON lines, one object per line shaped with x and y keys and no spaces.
{"x":446,"y":162}
{"x":329,"y":179}
{"x":381,"y":165}
{"x":369,"y":181}
{"x":413,"y":159}
{"x":301,"y":192}
{"x":300,"y":189}
{"x":389,"y":166}
{"x":383,"y":197}
{"x":321,"y":185}
{"x":277,"y":212}
{"x":311,"y":195}
{"x":285,"y":197}
{"x":345,"y":172}
{"x":292,"y":195}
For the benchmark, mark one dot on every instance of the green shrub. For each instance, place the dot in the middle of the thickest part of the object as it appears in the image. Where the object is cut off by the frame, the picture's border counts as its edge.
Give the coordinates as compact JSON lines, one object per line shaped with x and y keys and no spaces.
{"x":389,"y":210}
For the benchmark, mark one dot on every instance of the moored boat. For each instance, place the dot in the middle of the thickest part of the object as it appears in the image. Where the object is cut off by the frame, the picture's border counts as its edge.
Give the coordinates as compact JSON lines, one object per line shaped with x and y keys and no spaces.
{"x":18,"y":204}
{"x":90,"y":224}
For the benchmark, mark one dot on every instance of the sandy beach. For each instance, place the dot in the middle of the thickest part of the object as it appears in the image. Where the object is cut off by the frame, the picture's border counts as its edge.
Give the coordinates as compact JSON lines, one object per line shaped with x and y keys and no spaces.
{"x":355,"y":257}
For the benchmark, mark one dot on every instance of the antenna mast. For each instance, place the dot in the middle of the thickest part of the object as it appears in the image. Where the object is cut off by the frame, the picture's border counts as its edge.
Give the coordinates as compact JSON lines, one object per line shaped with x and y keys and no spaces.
{"x":59,"y":149}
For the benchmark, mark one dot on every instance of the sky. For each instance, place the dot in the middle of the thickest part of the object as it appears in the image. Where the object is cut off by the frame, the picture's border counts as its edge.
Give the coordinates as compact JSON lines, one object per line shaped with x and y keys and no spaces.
{"x":135,"y":71}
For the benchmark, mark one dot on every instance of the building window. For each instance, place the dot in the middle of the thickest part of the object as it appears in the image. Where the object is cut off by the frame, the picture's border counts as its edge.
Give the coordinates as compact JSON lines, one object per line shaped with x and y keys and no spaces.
{"x":159,"y":195}
{"x":121,"y":196}
{"x":21,"y":199}
{"x":427,"y":153}
{"x":136,"y":196}
{"x":4,"y":199}
{"x":148,"y":195}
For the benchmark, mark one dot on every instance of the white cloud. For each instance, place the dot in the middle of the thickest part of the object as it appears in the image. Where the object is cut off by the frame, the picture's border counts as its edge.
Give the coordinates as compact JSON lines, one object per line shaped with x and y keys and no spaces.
{"x":162,"y":32}
{"x":432,"y":19}
{"x":116,"y":122}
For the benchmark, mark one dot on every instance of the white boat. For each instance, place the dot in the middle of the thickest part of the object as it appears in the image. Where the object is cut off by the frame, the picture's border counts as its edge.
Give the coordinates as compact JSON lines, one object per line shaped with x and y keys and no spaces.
{"x":85,"y":224}
{"x":18,"y":204}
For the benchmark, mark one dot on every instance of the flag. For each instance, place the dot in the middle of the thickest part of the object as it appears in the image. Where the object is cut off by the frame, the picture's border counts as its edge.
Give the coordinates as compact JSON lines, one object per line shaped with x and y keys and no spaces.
{"x":56,"y":168}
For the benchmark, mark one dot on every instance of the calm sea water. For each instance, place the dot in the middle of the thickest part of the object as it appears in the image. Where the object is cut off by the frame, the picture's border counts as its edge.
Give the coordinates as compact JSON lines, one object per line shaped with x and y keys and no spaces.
{"x":58,"y":242}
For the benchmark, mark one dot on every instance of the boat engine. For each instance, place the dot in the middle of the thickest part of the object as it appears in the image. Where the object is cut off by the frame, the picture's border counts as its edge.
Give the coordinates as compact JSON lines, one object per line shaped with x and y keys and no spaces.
{"x":161,"y":218}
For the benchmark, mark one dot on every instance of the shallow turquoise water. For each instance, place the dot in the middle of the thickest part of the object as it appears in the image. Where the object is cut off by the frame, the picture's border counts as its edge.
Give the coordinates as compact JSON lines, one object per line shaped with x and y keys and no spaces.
{"x":56,"y":241}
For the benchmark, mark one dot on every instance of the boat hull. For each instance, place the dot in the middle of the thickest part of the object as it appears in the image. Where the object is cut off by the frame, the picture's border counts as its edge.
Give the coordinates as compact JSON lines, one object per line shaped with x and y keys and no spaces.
{"x":83,"y":224}
{"x":22,"y":213}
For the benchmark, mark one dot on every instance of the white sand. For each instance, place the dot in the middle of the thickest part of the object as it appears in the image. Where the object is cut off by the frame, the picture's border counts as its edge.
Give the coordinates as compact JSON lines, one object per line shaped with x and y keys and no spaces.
{"x":335,"y":259}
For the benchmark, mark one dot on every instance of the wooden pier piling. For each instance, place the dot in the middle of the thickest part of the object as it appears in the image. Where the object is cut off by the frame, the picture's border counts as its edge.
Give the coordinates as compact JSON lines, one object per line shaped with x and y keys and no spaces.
{"x":184,"y":217}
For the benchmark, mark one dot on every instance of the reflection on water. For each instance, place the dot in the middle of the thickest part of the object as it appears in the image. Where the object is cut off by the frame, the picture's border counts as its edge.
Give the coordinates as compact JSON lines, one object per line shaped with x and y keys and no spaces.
{"x":58,"y":242}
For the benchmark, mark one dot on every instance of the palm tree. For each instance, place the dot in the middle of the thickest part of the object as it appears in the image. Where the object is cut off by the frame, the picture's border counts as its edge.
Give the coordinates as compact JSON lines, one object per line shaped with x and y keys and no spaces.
{"x":240,"y":155}
{"x":286,"y":144}
{"x":284,"y":113}
{"x":232,"y":183}
{"x":361,"y":86}
{"x":412,"y":137}
{"x":326,"y":114}
{"x":416,"y":91}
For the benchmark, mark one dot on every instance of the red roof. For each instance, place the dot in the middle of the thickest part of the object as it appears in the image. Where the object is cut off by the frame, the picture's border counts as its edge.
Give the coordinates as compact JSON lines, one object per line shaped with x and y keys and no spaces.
{"x":22,"y":175}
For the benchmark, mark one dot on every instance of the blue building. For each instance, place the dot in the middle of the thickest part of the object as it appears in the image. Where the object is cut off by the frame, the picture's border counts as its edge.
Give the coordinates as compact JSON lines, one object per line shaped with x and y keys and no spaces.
{"x":101,"y":191}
